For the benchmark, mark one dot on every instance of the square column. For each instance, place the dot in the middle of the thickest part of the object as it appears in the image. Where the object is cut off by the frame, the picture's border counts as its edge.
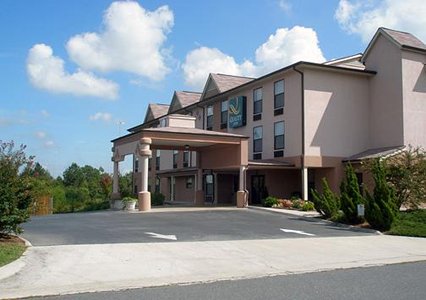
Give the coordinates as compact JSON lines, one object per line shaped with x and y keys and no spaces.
{"x":305,"y":192}
{"x":115,"y":177}
{"x":242,"y":193}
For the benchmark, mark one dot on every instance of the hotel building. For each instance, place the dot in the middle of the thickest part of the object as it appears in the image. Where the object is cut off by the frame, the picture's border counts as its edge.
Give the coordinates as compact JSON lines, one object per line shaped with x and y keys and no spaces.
{"x":242,"y":138}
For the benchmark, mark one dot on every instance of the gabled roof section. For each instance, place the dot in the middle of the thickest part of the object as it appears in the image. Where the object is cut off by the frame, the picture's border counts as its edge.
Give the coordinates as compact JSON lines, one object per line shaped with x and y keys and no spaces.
{"x":401,"y":39}
{"x":352,"y":62}
{"x":219,"y":83}
{"x":183,"y":99}
{"x":155,"y":110}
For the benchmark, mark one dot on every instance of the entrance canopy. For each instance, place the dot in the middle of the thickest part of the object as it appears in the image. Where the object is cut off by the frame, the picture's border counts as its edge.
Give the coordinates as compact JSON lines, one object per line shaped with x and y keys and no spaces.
{"x":215,"y":149}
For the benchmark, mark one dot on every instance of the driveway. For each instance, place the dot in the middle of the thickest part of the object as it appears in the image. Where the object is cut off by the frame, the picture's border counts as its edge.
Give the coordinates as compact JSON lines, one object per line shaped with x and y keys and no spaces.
{"x":114,"y":250}
{"x":188,"y":225}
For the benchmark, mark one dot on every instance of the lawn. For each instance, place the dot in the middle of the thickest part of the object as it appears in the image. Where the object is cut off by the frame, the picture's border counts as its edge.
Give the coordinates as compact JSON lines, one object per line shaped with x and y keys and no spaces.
{"x":410,"y":223}
{"x":11,"y":248}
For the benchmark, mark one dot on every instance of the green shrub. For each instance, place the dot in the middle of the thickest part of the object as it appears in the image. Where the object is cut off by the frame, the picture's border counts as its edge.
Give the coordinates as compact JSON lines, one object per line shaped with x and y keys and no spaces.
{"x":327,"y":203}
{"x":16,"y":192}
{"x":380,"y":209}
{"x":269,"y":201}
{"x":308,"y":205}
{"x":297,"y":203}
{"x":350,"y":196}
{"x":157,"y":199}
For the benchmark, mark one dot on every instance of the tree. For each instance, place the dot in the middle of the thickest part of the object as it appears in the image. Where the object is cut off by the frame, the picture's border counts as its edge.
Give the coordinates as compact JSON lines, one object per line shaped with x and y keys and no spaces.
{"x":380,"y":209}
{"x":106,"y":185}
{"x":15,"y":187}
{"x":406,"y":172}
{"x":350,"y":195}
{"x":73,"y":176}
{"x":125,"y":183}
{"x":327,"y":203}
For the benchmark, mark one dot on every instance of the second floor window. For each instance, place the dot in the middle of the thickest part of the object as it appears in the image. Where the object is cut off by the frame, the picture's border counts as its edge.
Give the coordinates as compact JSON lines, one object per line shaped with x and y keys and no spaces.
{"x":224,"y":114}
{"x":279,"y":135}
{"x":257,"y":139}
{"x":175,"y":158}
{"x":209,"y":121}
{"x":279,"y":94}
{"x":257,"y":101}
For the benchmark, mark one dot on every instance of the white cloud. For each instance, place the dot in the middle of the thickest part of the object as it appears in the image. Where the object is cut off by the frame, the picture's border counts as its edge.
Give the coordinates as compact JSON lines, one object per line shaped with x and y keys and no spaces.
{"x":45,"y":113}
{"x":40,"y":134}
{"x":284,"y":47}
{"x":46,"y":71}
{"x":202,"y":61}
{"x":364,"y":17}
{"x":131,"y":40}
{"x":101,"y":116}
{"x":285,"y":6}
{"x":49,"y":144}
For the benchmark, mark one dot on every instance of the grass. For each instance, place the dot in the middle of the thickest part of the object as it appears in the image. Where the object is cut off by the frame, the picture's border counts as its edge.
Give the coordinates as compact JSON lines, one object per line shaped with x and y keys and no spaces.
{"x":410,"y":223}
{"x":11,"y":248}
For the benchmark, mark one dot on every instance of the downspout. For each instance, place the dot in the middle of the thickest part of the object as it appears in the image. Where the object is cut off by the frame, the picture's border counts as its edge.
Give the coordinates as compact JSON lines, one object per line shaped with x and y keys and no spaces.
{"x":302,"y":95}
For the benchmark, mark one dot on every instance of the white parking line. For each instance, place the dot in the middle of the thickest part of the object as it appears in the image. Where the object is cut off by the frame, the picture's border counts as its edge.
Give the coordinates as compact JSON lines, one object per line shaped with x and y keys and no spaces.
{"x":297,"y":232}
{"x":162,"y":236}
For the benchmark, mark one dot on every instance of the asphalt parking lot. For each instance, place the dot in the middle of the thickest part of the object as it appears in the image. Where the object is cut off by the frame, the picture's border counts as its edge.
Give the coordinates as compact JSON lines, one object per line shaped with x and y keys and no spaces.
{"x":108,"y":227}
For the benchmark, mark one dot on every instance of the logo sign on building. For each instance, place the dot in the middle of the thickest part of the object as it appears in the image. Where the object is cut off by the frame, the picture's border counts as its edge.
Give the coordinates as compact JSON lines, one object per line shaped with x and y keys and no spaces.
{"x":237,"y":108}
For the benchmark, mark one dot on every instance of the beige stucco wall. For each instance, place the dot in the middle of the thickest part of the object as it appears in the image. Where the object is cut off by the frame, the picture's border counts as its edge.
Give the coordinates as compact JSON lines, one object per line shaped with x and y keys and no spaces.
{"x":336,"y":113}
{"x":386,"y":116}
{"x":414,"y":93}
{"x":183,"y":194}
{"x":291,"y":116}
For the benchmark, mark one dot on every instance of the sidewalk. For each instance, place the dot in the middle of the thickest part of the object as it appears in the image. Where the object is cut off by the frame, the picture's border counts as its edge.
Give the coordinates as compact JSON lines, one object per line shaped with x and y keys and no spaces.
{"x":87,"y":268}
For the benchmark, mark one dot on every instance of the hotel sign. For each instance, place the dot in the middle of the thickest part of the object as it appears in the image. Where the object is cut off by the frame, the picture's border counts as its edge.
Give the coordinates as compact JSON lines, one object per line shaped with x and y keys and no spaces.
{"x":237,"y":108}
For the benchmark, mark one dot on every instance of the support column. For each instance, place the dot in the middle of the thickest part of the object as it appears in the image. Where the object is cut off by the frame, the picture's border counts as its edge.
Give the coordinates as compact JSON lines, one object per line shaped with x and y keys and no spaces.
{"x":242,"y":194}
{"x":115,"y":195}
{"x":145,"y":153}
{"x":199,"y":193}
{"x":172,"y":188}
{"x":305,"y":184}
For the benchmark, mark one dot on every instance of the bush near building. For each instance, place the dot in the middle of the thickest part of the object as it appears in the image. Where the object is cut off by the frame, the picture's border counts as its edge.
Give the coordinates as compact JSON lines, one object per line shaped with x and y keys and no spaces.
{"x":350,"y":196}
{"x":327,"y":203}
{"x":409,"y":223}
{"x":380,"y":209}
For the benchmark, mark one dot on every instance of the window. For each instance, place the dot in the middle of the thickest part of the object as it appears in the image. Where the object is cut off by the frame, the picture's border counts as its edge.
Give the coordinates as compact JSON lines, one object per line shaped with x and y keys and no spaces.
{"x":209,"y":123}
{"x":189,"y":182}
{"x":149,"y":163}
{"x":186,"y":159}
{"x":157,"y":160}
{"x":163,"y":122}
{"x":279,"y":139}
{"x":278,"y":97}
{"x":279,"y":135}
{"x":257,"y":139}
{"x":257,"y":104}
{"x":175,"y":158}
{"x":224,"y":114}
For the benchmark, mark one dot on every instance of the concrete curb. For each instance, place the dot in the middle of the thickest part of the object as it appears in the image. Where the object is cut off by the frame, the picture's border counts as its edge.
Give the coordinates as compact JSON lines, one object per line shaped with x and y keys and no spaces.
{"x":17,"y":265}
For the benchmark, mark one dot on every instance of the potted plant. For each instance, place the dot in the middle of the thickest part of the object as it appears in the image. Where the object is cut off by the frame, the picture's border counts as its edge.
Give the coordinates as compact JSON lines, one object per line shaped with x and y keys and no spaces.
{"x":129,"y":203}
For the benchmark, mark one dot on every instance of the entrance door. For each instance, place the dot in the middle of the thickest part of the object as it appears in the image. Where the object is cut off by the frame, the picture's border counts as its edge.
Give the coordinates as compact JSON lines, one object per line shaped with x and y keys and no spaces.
{"x":258,"y":191}
{"x":209,"y":188}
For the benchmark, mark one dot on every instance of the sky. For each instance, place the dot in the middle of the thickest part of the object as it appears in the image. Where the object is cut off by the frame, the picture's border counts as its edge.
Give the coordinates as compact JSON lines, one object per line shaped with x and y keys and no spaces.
{"x":76,"y":74}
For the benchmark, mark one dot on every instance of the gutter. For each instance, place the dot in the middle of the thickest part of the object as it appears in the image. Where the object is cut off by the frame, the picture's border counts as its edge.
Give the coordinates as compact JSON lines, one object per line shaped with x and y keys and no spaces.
{"x":302,"y":91}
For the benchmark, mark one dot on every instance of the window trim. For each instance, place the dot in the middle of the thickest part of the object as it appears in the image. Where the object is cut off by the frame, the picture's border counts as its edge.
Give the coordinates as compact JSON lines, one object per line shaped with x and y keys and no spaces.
{"x":175,"y":158}
{"x":259,"y":100}
{"x":223,"y":121}
{"x":209,"y":117}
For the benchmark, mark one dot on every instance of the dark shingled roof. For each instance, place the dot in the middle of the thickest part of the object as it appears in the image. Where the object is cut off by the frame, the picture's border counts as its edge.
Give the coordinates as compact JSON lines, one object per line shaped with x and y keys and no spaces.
{"x":158,"y":109}
{"x":226,"y":82}
{"x":404,"y":38}
{"x":187,"y":98}
{"x":374,"y":153}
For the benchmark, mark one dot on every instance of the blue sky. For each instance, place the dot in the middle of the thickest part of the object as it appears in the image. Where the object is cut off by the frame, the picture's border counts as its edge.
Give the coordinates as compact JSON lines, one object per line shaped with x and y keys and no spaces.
{"x":72,"y":70}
